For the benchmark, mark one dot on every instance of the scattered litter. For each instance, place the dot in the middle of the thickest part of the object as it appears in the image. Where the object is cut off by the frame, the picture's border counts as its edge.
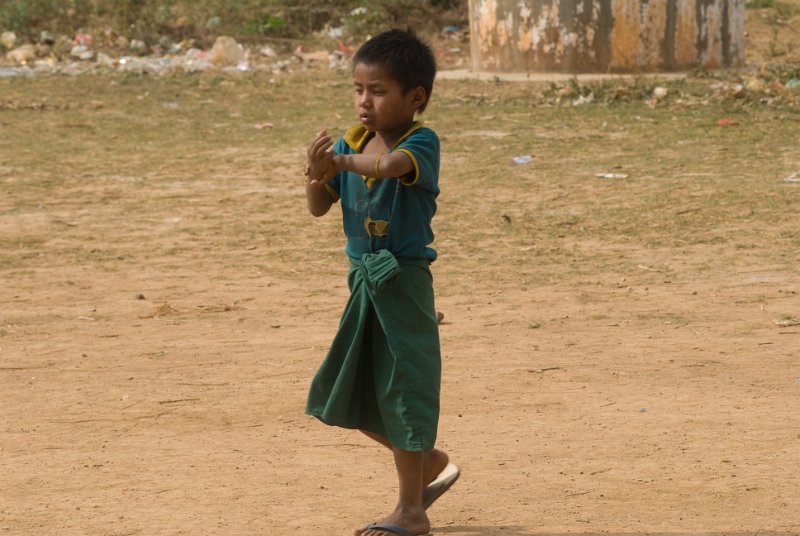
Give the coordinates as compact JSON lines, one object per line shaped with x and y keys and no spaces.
{"x":137,"y":45}
{"x":755,"y":84}
{"x":268,"y":52}
{"x":776,"y":85}
{"x":14,"y":71}
{"x":226,"y":51}
{"x":8,"y":40}
{"x":660,"y":93}
{"x":22,"y":55}
{"x":171,"y":105}
{"x":451,"y":28}
{"x":583,"y":99}
{"x":262,"y":126}
{"x":611,"y":175}
{"x":728,"y":122}
{"x":543,"y":370}
{"x":302,"y":52}
{"x":162,"y":310}
{"x":794,"y":177}
{"x":523,"y":159}
{"x":83,"y":39}
{"x":787,"y":323}
{"x":82,"y":52}
{"x":345,"y":49}
{"x":794,"y":83}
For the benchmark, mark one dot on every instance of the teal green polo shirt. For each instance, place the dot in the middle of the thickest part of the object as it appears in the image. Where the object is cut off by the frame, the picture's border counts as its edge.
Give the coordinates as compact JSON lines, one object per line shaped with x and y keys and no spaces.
{"x":396,"y":213}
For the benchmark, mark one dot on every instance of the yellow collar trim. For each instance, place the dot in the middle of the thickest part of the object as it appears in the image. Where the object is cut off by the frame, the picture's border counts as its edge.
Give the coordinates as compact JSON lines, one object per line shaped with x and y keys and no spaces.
{"x":358,"y":135}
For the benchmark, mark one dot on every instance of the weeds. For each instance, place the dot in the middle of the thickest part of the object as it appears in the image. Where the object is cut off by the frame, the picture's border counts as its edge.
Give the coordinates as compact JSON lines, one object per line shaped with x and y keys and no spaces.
{"x":204,"y":20}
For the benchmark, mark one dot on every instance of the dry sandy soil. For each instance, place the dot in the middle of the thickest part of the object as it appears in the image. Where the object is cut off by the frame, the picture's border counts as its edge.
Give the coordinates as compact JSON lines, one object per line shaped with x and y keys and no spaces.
{"x":620,"y":355}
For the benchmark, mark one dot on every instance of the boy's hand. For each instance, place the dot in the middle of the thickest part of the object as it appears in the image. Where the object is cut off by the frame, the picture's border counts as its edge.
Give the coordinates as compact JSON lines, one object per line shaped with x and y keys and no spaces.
{"x":320,"y":167}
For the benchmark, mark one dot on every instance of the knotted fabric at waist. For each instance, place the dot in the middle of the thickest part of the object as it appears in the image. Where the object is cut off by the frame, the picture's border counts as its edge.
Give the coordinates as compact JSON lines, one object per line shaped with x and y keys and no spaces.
{"x":382,"y":267}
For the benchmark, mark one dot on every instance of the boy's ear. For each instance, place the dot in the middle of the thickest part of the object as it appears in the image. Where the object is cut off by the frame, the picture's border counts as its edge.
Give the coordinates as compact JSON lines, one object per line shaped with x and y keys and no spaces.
{"x":418,"y":96}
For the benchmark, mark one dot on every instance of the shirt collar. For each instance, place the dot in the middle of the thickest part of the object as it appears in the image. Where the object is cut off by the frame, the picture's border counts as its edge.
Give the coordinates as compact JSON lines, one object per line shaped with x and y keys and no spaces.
{"x":358,"y":135}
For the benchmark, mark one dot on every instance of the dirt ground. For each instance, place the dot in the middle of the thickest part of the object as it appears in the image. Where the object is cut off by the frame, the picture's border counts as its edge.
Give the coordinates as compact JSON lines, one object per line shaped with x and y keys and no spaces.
{"x":620,"y":355}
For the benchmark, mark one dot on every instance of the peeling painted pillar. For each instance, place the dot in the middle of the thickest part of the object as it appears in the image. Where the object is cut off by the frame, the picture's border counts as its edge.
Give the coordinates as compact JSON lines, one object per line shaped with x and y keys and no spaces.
{"x":605,"y":35}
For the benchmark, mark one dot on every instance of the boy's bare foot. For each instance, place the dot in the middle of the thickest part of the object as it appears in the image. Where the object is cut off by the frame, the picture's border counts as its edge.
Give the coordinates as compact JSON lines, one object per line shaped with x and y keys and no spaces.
{"x":413,"y":520}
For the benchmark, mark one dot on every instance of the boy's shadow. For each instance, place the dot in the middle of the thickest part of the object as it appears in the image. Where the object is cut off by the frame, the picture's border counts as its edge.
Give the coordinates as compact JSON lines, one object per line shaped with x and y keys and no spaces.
{"x":499,"y":530}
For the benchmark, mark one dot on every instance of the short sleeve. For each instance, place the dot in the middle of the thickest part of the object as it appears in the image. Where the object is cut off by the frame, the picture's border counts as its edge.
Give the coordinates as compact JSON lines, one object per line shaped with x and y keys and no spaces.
{"x":334,"y":186}
{"x":423,"y":148}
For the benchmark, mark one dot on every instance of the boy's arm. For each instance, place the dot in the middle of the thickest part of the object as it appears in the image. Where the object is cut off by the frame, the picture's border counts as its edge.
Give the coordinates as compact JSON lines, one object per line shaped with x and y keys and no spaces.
{"x":318,"y":198}
{"x":378,"y":166}
{"x":320,"y":170}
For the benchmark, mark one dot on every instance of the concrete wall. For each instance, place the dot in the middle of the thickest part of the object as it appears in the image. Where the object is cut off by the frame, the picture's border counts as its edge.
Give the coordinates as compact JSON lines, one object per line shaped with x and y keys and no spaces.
{"x":605,"y":35}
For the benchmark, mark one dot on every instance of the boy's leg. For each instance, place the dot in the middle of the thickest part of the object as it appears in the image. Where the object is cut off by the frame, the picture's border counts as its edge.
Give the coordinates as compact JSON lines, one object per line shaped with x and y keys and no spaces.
{"x":434,"y":461}
{"x":409,"y":513}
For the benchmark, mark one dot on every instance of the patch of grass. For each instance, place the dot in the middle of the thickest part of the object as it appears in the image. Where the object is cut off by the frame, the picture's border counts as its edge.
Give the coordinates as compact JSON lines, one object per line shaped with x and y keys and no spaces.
{"x":759,"y":4}
{"x":166,"y":21}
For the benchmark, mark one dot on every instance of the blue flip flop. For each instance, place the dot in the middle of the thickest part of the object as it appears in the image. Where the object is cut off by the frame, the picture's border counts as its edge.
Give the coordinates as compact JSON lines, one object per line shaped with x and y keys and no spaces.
{"x":387,"y":527}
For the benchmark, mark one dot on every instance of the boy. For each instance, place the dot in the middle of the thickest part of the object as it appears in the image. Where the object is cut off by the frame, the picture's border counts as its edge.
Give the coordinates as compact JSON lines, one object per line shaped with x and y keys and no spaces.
{"x":382,"y":373}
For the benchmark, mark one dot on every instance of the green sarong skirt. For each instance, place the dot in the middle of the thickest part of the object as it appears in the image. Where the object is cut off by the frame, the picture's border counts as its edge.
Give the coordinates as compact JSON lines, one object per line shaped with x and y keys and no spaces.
{"x":383,"y":370}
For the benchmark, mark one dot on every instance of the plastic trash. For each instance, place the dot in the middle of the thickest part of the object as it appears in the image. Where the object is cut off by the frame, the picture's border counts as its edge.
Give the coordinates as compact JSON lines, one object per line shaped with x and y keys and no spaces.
{"x":794,"y":177}
{"x":82,"y":52}
{"x":138,"y":46}
{"x":660,"y":93}
{"x":22,"y":55}
{"x":728,"y":122}
{"x":268,"y":52}
{"x":7,"y":72}
{"x":47,"y":38}
{"x":611,"y":175}
{"x":83,"y":39}
{"x":794,"y":83}
{"x":8,"y":40}
{"x":523,"y":159}
{"x":346,"y":50}
{"x":226,"y":51}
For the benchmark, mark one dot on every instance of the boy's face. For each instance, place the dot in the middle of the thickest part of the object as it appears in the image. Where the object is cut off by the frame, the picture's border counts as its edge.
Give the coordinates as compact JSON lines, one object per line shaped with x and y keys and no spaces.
{"x":380,"y":103}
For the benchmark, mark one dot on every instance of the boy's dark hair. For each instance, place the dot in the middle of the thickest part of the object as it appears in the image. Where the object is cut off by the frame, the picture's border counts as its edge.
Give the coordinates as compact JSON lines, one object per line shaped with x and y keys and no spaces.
{"x":408,"y":59}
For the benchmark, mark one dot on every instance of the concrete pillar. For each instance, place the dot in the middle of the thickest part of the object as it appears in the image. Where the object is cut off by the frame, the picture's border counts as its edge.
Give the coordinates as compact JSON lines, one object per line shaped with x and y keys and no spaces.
{"x":620,"y":36}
